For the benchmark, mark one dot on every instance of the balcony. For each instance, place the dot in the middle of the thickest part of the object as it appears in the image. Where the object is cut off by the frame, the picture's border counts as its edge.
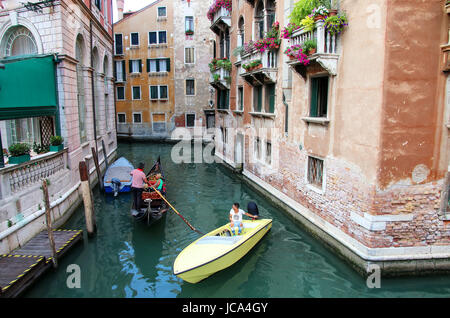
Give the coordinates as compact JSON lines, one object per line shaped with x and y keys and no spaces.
{"x":220,"y":79}
{"x":266,"y":73}
{"x":17,"y":178}
{"x":221,"y":20}
{"x":326,"y":55}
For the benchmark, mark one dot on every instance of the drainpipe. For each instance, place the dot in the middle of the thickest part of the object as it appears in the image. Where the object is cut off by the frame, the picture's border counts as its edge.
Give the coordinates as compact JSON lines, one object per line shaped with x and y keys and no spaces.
{"x":113,"y":66}
{"x":2,"y":163}
{"x":92,"y":82}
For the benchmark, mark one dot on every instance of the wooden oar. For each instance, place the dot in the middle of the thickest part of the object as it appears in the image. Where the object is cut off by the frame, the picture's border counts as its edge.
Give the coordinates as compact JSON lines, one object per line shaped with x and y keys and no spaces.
{"x":175,"y":210}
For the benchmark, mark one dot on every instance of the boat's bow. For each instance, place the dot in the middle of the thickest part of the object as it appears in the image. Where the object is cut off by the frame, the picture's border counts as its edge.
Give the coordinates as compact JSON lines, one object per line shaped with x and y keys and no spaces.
{"x":218,"y":250}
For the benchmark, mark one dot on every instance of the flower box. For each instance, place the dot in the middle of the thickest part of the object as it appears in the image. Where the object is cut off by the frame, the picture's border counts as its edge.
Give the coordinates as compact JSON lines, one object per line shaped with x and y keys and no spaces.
{"x":19,"y":159}
{"x":57,"y":148}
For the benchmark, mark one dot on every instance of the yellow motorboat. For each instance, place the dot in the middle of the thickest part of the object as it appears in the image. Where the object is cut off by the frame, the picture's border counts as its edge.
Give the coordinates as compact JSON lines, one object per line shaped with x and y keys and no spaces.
{"x":218,"y":250}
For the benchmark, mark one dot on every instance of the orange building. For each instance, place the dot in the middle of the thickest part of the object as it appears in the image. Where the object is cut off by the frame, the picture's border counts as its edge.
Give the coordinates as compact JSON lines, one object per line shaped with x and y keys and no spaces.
{"x":143,"y":66}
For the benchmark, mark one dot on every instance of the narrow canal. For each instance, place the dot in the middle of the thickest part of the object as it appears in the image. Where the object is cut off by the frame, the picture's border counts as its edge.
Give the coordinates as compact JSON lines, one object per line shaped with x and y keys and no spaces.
{"x":128,"y":259}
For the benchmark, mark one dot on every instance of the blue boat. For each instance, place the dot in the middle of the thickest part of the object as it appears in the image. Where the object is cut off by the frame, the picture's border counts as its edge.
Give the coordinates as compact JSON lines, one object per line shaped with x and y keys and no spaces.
{"x":117,"y":178}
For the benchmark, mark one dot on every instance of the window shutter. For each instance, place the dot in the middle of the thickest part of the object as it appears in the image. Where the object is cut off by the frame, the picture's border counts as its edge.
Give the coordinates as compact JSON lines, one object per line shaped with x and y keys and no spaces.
{"x":157,"y":65}
{"x":130,"y":64}
{"x":259,"y":98}
{"x":168,"y":64}
{"x":140,"y":66}
{"x":272,"y":99}
{"x":124,"y":70}
{"x":115,"y":69}
{"x":314,"y":100}
{"x":148,"y":65}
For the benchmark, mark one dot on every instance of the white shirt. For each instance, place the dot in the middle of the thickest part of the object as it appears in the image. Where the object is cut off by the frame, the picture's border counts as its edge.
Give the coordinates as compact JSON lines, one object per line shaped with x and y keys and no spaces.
{"x":236,"y":217}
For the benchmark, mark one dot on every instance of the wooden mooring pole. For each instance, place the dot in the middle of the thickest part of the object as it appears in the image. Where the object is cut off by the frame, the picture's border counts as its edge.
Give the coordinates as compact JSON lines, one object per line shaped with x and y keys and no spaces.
{"x":48,"y":218}
{"x":104,"y":155}
{"x":97,"y":167}
{"x":87,"y":199}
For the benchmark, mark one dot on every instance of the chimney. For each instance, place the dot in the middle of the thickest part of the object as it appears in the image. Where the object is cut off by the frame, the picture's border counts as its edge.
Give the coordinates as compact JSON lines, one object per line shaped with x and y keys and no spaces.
{"x":120,"y":6}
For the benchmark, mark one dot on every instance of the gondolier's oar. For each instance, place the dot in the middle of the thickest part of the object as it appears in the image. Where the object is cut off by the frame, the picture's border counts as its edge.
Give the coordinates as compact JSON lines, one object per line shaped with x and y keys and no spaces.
{"x":175,"y":210}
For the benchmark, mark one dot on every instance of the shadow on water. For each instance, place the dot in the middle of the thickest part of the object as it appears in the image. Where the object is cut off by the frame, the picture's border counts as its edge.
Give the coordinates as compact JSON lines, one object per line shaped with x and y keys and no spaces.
{"x":129,"y":259}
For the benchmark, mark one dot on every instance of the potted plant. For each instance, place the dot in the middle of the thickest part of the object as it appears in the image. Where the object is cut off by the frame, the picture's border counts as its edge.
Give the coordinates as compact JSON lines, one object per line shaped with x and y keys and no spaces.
{"x":320,"y":13}
{"x":308,"y":23}
{"x":189,"y":32}
{"x":309,"y":47}
{"x":40,"y":149}
{"x":216,"y":77}
{"x":335,"y":24}
{"x":303,"y":8}
{"x":20,"y":153}
{"x":56,"y":143}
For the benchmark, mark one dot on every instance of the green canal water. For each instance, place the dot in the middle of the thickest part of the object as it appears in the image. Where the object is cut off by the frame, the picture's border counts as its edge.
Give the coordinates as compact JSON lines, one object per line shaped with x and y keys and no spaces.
{"x":128,"y":259}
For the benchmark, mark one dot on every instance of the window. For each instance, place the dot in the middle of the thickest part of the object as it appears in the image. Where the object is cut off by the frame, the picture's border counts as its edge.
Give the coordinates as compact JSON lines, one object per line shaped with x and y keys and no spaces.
{"x":315,"y":172}
{"x":158,"y":65}
{"x":190,"y":120}
{"x":98,"y":4}
{"x":240,"y":105}
{"x":134,"y":39}
{"x":223,"y":99}
{"x":80,"y":88}
{"x":159,"y":92}
{"x":135,"y":66}
{"x":152,"y":38}
{"x":162,"y":37}
{"x":120,"y":92}
{"x":189,"y":55}
{"x":121,"y":118}
{"x":257,"y":148}
{"x":19,"y":41}
{"x":162,"y":12}
{"x":119,"y":71}
{"x":157,"y":37}
{"x":257,"y":98}
{"x":190,"y":87}
{"x":136,"y":92}
{"x":118,"y":44}
{"x":269,"y":153}
{"x":189,"y":24}
{"x":319,"y":97}
{"x":137,"y":118}
{"x":270,"y":99}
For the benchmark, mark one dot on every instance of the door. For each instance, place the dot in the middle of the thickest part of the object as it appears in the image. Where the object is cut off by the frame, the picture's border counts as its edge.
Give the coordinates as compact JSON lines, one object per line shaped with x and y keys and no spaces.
{"x":239,"y":151}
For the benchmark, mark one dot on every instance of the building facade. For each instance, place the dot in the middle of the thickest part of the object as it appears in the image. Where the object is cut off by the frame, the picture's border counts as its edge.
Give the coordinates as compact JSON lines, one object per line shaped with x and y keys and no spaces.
{"x":161,"y":75}
{"x":351,"y":139}
{"x":57,"y":80}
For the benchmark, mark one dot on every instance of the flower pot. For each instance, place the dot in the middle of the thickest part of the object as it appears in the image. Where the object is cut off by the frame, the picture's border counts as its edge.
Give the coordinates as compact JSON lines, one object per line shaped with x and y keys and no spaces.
{"x":312,"y":51}
{"x":57,"y":148}
{"x":258,"y":67}
{"x":319,"y":17}
{"x":333,"y":12}
{"x":19,"y":159}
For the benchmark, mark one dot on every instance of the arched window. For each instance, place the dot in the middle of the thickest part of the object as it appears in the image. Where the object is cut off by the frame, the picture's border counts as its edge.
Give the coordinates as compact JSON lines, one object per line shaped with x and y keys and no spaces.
{"x":96,"y":79}
{"x":270,"y":11}
{"x":79,"y":55}
{"x":106,"y":71}
{"x":241,"y":33}
{"x":17,"y":41}
{"x":259,"y":20}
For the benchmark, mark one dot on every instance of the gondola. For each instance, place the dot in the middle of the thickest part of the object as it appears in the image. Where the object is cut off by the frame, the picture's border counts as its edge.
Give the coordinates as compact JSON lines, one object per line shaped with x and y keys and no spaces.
{"x":153,"y":206}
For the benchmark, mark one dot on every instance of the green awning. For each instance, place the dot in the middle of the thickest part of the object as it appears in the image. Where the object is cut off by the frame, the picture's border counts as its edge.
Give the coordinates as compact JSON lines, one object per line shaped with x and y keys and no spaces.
{"x":28,"y":87}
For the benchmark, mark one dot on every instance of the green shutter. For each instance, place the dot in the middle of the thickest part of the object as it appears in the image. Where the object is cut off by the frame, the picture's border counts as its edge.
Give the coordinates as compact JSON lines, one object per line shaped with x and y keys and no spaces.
{"x":168,"y":64}
{"x":271,"y":98}
{"x":130,"y":64}
{"x":260,"y":94}
{"x":148,"y":65}
{"x":140,"y":66}
{"x":313,"y":111}
{"x":157,"y":66}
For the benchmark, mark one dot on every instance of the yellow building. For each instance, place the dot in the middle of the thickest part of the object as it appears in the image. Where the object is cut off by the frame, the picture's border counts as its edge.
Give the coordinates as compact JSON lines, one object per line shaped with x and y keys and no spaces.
{"x":143,"y":66}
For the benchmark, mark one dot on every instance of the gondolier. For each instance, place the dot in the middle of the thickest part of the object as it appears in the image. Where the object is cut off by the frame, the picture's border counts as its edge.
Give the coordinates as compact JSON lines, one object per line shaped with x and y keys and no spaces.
{"x":137,"y":185}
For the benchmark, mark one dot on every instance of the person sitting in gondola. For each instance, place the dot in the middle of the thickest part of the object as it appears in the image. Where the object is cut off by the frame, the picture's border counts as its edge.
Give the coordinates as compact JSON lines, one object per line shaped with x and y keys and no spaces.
{"x":137,"y":185}
{"x":159,"y":184}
